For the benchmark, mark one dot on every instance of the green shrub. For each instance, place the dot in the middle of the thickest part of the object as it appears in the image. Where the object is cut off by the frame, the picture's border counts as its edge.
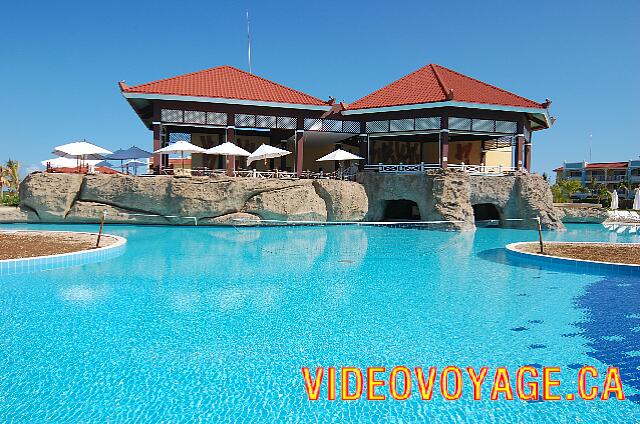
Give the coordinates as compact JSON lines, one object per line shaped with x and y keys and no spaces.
{"x":11,"y":199}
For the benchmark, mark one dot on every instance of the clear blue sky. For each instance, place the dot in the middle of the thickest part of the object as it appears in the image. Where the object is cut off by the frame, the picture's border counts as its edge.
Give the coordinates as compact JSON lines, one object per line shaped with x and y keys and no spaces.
{"x":60,"y":61}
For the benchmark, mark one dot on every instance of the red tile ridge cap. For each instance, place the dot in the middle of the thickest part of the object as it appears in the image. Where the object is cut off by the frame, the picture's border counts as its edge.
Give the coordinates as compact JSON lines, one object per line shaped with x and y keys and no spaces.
{"x":447,"y":92}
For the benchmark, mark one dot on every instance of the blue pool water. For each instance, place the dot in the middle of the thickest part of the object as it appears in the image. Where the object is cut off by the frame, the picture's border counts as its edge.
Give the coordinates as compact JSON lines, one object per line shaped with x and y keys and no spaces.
{"x":214,"y":324}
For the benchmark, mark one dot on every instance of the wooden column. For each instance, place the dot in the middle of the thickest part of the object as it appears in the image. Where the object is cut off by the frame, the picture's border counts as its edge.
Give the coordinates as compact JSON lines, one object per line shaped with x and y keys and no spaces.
{"x":299,"y":152}
{"x":157,"y":144}
{"x":518,"y":160}
{"x":444,"y":142}
{"x":231,"y":160}
{"x":364,"y":150}
{"x":444,"y":148}
{"x":527,"y":156}
{"x":283,"y":159}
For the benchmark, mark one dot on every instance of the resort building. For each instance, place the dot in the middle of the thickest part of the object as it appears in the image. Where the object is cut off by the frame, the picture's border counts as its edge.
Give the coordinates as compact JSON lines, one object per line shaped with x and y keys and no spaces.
{"x":610,"y":174}
{"x":431,"y":118}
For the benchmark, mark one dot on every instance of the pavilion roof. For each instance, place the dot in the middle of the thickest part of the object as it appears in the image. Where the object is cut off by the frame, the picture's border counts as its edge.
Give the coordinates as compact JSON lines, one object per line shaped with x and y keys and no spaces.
{"x":225,"y":82}
{"x":435,"y":83}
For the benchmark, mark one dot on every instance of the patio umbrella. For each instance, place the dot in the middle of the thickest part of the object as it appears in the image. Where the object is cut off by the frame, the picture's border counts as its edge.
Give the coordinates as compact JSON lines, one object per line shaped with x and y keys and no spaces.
{"x":636,"y":199}
{"x":81,"y":150}
{"x":181,"y":147}
{"x":614,"y":200}
{"x":132,"y":152}
{"x":135,"y":164}
{"x":265,"y":152}
{"x":227,"y":149}
{"x":339,"y":155}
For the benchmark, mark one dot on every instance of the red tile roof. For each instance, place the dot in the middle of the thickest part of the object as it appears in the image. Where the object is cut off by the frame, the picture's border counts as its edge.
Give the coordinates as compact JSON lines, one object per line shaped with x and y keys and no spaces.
{"x":600,"y":165}
{"x":607,"y":165}
{"x":225,"y":82}
{"x":435,"y":83}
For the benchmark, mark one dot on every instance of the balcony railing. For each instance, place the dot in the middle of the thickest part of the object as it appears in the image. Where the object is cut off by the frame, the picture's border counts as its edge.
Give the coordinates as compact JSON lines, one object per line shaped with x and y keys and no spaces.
{"x":423,"y":167}
{"x":401,"y":168}
{"x":483,"y":169}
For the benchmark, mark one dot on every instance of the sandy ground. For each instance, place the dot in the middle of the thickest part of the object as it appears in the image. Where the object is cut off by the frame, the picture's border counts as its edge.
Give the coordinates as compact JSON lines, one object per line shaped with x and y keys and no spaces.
{"x":20,"y":244}
{"x":603,"y":252}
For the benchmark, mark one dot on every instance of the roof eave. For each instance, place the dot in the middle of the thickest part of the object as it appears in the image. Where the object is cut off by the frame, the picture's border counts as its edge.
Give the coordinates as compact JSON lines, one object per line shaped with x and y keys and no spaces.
{"x":451,"y":103}
{"x":154,"y":96}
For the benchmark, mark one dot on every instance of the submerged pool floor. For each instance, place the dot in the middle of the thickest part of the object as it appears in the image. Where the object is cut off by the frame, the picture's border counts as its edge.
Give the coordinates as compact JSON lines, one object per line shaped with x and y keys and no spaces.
{"x":216,"y":323}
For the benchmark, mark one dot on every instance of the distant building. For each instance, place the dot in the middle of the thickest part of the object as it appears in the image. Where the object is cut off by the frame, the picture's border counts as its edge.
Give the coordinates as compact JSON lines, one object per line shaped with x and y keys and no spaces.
{"x":610,"y":174}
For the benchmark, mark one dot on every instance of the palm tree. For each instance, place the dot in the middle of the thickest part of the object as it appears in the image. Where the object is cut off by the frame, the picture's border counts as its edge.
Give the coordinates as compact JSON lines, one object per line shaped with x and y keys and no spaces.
{"x":2,"y":183}
{"x":12,"y":174}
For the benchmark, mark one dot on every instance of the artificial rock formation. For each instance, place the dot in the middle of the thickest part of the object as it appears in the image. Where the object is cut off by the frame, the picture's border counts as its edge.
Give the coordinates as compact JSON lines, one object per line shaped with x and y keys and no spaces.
{"x":181,"y":200}
{"x":449,"y":195}
{"x":518,"y":198}
{"x":441,"y":195}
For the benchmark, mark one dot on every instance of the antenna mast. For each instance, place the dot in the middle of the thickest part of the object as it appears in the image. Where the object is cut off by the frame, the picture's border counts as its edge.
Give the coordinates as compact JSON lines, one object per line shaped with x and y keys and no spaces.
{"x":249,"y":43}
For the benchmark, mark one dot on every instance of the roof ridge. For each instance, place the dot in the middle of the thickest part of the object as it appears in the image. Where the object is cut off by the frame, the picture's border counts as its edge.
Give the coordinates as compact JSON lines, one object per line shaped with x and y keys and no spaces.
{"x":487,"y":84}
{"x":441,"y":83}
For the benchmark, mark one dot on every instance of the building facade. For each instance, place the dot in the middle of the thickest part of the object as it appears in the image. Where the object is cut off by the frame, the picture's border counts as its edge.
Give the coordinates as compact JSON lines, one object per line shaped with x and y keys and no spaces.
{"x":609,"y":174}
{"x":431,"y":118}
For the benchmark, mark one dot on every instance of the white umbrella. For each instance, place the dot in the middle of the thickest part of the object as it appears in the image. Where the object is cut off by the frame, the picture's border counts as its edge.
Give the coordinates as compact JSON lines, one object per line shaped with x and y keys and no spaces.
{"x":181,"y":147}
{"x":636,"y":200}
{"x":227,"y":149}
{"x":81,"y":150}
{"x":266,"y":152}
{"x":614,"y":200}
{"x":339,"y":155}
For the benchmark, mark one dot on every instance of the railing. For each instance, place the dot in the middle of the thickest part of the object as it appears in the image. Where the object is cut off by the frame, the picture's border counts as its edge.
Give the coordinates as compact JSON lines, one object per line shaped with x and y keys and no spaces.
{"x":343,"y":174}
{"x":423,"y":167}
{"x":401,"y":168}
{"x":483,"y":169}
{"x":253,"y":173}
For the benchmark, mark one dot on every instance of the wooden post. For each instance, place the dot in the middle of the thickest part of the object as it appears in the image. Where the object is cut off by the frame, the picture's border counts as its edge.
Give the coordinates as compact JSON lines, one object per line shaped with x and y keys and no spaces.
{"x":444,"y":149}
{"x":299,"y":152}
{"x":540,"y":234}
{"x":231,"y":159}
{"x":444,"y":142}
{"x":527,"y":156}
{"x":104,"y":214}
{"x":157,"y":144}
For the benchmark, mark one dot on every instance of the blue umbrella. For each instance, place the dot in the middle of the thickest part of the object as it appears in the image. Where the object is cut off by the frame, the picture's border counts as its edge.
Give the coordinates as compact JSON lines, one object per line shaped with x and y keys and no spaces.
{"x":104,"y":163}
{"x":135,"y":164}
{"x":132,"y":152}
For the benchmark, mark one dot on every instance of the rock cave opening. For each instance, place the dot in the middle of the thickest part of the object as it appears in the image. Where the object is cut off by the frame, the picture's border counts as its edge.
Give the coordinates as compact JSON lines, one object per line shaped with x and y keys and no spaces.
{"x":486,"y":214}
{"x":401,"y":210}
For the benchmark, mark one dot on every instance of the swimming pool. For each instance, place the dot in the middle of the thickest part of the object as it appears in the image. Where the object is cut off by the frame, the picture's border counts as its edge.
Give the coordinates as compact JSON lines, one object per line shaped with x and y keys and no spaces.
{"x":216,"y":323}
